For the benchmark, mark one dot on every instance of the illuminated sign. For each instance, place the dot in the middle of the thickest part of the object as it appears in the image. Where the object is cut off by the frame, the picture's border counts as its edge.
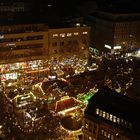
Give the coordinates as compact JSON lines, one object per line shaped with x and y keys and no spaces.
{"x":107,"y":46}
{"x":117,"y":47}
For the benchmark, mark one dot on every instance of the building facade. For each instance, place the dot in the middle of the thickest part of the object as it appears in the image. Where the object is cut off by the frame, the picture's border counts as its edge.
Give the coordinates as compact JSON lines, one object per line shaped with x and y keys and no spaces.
{"x":116,"y":30}
{"x":32,"y":41}
{"x":23,"y":42}
{"x":109,"y":116}
{"x":66,"y":42}
{"x":27,"y":46}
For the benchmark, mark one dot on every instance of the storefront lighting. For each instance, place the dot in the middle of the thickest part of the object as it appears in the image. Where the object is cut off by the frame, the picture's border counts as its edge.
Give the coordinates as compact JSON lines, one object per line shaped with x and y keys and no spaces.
{"x":107,"y":46}
{"x":117,"y":47}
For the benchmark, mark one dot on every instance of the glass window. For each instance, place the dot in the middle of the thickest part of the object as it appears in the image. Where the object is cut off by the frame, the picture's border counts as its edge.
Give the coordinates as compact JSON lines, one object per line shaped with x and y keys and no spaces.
{"x":55,"y":35}
{"x":90,"y":138}
{"x":114,"y":119}
{"x":122,"y":121}
{"x":86,"y":126}
{"x":62,"y":35}
{"x":69,"y":34}
{"x":76,"y":33}
{"x":107,"y":116}
{"x":100,"y":112}
{"x":85,"y":33}
{"x":102,"y":132}
{"x":104,"y":114}
{"x":105,"y":133}
{"x":97,"y":111}
{"x":108,"y":135}
{"x":111,"y":137}
{"x":118,"y":120}
{"x":111,"y":117}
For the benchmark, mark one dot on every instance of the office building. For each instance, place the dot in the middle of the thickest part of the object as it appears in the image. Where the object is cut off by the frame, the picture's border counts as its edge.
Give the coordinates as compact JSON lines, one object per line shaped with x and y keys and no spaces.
{"x":22,"y":42}
{"x":25,"y":46}
{"x":66,"y":42}
{"x":111,"y":115}
{"x":114,"y":30}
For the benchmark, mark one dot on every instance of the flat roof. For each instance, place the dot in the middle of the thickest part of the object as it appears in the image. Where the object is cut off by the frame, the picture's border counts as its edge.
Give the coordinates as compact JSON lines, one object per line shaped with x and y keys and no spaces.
{"x":114,"y":103}
{"x":117,"y":16}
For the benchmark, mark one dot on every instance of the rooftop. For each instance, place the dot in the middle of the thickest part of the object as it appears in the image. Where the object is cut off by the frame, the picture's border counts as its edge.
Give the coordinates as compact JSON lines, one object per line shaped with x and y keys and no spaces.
{"x":114,"y":103}
{"x":117,"y":15}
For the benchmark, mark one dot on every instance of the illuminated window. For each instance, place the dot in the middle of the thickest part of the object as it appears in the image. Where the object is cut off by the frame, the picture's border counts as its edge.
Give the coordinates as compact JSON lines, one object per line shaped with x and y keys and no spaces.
{"x":105,"y":133}
{"x":125,"y":123}
{"x":97,"y":111}
{"x":114,"y":119}
{"x":69,"y":34}
{"x":55,"y":35}
{"x":84,"y":33}
{"x":104,"y":114}
{"x":62,"y":35}
{"x":90,"y":138}
{"x":76,"y":33}
{"x":107,"y":116}
{"x":111,"y":137}
{"x":100,"y":113}
{"x":118,"y":120}
{"x":86,"y":126}
{"x":122,"y":121}
{"x":102,"y":132}
{"x":77,"y":24}
{"x":108,"y":135}
{"x":111,"y":117}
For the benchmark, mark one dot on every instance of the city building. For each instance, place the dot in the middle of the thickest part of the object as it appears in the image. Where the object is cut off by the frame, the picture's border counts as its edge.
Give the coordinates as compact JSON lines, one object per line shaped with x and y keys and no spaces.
{"x":23,"y":42}
{"x":25,"y":46}
{"x":111,"y":115}
{"x":12,"y":7}
{"x":113,"y":30}
{"x":15,"y":11}
{"x":133,"y":91}
{"x":69,"y":41}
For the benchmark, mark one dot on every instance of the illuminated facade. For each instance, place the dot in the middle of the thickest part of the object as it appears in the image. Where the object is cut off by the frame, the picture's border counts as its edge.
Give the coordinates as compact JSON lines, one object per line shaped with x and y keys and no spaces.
{"x":26,"y":46}
{"x":115,"y":29}
{"x":69,"y":41}
{"x":23,"y":42}
{"x":109,"y":116}
{"x":30,"y":42}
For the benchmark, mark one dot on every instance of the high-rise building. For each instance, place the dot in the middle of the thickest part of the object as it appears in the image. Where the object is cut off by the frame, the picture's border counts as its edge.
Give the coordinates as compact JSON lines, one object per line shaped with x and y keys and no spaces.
{"x":26,"y":46}
{"x":111,"y":29}
{"x":15,"y":11}
{"x":32,"y":41}
{"x":23,"y":42}
{"x":65,"y":42}
{"x":111,"y":116}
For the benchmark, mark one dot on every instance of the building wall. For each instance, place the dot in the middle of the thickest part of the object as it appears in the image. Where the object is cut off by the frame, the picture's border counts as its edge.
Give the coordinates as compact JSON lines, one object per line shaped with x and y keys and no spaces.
{"x":103,"y":32}
{"x":98,"y":128}
{"x":69,"y":41}
{"x":114,"y":29}
{"x":36,"y":41}
{"x":127,"y":34}
{"x":19,"y":44}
